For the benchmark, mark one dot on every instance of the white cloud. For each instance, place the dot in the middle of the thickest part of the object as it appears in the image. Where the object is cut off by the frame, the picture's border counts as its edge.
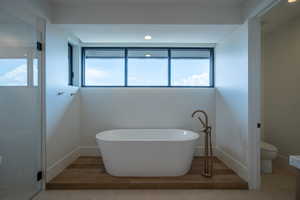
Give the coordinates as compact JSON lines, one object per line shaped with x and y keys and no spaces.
{"x":194,"y":80}
{"x":15,"y":77}
{"x":94,"y":75}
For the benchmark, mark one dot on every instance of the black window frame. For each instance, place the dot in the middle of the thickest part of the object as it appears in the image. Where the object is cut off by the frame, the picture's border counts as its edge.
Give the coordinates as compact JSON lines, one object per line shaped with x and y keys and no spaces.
{"x":212,"y":66}
{"x":71,"y":64}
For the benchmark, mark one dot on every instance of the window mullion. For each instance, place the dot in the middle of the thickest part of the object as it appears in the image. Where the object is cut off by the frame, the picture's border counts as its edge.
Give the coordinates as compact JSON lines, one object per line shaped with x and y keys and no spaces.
{"x":83,"y":59}
{"x":169,"y":67}
{"x":29,"y":57}
{"x":212,"y":67}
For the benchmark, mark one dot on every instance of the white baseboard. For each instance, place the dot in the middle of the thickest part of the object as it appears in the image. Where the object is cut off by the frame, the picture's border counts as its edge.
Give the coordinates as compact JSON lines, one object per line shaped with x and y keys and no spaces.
{"x":232,"y":163}
{"x":94,"y":151}
{"x":57,"y":167}
{"x":89,"y":151}
{"x":61,"y":164}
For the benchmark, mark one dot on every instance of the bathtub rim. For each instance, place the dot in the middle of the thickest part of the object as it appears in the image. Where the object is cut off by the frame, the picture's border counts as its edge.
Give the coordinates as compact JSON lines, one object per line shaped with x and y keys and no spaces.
{"x":193,"y":136}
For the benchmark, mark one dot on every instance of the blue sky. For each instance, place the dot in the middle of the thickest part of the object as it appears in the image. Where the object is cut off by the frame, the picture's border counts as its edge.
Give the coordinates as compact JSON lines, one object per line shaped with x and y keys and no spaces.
{"x":147,"y":72}
{"x":7,"y":65}
{"x":13,"y":72}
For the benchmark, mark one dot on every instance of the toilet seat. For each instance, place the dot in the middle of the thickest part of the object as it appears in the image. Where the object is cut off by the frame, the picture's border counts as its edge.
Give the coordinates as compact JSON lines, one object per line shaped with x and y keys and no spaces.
{"x":268,"y":147}
{"x":268,"y":151}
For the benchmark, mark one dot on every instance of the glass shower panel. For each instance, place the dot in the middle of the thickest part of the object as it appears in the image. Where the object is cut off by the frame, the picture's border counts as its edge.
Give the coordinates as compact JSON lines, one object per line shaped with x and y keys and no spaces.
{"x":20,"y":109}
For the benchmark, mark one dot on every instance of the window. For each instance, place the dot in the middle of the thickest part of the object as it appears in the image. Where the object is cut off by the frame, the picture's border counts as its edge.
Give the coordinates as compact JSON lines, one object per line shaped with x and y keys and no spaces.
{"x":13,"y":72}
{"x":147,"y":67}
{"x":70,"y":62}
{"x":190,"y":68}
{"x":105,"y":67}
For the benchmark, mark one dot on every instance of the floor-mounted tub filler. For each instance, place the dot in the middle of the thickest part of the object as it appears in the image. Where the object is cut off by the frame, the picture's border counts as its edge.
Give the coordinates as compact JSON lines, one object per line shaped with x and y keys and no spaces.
{"x":147,"y":152}
{"x":208,"y":159}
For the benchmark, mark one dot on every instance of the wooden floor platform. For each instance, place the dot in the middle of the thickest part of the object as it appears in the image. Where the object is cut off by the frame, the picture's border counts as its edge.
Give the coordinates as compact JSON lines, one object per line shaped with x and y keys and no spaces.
{"x":89,"y":173}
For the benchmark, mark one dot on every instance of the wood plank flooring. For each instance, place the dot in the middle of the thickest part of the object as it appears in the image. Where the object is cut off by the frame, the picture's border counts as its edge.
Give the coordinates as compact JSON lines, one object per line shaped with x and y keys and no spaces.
{"x":89,"y":173}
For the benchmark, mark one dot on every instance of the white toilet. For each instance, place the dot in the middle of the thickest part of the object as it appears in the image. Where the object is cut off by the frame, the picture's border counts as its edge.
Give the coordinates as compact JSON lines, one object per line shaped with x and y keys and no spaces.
{"x":268,"y":154}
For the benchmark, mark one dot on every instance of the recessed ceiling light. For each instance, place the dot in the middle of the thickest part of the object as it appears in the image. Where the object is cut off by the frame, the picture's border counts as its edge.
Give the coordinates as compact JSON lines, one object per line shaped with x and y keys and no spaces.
{"x":148,"y":55}
{"x":148,"y":37}
{"x":292,"y":1}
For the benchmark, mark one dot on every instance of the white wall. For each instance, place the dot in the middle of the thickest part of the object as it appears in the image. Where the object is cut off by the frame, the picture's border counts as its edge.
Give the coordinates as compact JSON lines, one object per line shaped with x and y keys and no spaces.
{"x":62,"y":112}
{"x":113,"y":108}
{"x":281,"y":87}
{"x":232,"y":99}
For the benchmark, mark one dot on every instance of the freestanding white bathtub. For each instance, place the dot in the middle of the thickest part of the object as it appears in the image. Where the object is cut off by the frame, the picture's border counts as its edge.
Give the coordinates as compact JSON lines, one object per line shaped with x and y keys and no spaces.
{"x":147,"y":152}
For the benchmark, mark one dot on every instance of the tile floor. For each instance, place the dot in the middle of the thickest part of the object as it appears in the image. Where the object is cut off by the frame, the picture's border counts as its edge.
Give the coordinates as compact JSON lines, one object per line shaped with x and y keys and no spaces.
{"x":278,"y":186}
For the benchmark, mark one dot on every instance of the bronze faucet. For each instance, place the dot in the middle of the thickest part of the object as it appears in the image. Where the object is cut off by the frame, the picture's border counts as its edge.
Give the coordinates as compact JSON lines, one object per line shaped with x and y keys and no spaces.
{"x":207,"y":168}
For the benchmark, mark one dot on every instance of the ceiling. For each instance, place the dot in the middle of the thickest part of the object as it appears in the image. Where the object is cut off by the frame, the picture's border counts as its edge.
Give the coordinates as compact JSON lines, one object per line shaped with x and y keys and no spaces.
{"x":133,"y":33}
{"x":280,"y":14}
{"x":204,"y":2}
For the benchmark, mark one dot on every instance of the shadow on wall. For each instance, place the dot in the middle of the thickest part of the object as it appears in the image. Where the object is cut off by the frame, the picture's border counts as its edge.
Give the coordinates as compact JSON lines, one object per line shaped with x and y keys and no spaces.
{"x":230,"y":137}
{"x":63,"y":122}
